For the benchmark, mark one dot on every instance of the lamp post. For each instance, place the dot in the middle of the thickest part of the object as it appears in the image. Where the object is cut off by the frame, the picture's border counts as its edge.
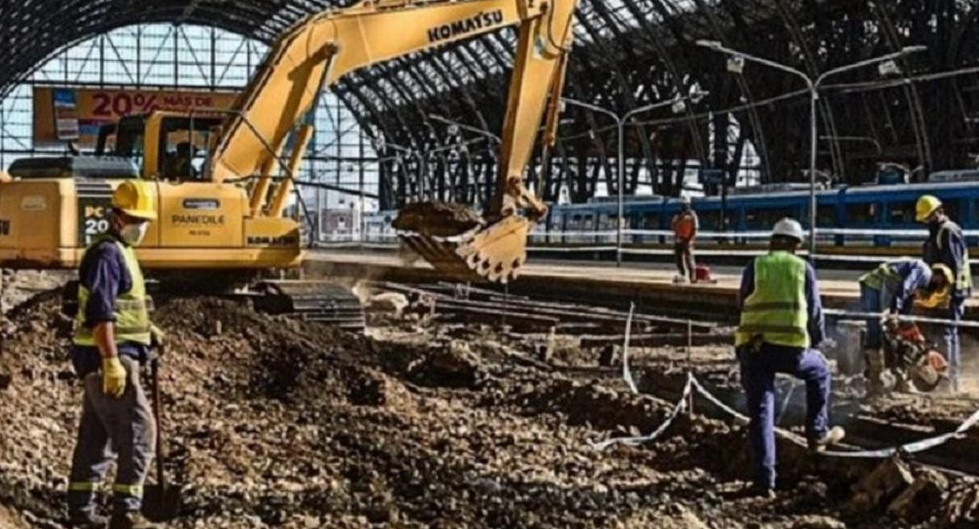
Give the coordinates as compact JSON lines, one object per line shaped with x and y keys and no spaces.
{"x":482,"y":132}
{"x":381,"y":144}
{"x":813,"y":86}
{"x":620,"y":122}
{"x":474,"y":130}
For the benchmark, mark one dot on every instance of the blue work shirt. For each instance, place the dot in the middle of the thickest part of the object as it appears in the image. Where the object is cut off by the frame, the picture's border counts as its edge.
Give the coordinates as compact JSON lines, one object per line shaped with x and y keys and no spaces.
{"x":103,"y":272}
{"x":816,"y":324}
{"x":914,"y":274}
{"x":950,"y":251}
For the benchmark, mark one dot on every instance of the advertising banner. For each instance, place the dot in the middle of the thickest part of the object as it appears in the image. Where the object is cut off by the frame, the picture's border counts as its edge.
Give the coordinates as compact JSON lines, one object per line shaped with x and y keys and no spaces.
{"x":75,"y":114}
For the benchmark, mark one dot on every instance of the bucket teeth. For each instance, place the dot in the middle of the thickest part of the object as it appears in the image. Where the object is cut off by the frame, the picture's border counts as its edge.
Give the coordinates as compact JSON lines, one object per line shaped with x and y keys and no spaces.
{"x":494,"y":253}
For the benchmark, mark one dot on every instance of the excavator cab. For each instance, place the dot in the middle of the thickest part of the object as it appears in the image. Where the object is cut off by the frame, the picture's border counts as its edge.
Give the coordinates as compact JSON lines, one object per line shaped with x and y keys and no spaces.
{"x":163,"y":145}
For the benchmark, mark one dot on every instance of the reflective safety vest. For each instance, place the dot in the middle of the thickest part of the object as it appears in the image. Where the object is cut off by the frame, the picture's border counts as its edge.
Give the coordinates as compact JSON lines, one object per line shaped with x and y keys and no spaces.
{"x":683,"y":225}
{"x":963,"y":280}
{"x":131,"y":309}
{"x":880,"y":276}
{"x":776,"y":312}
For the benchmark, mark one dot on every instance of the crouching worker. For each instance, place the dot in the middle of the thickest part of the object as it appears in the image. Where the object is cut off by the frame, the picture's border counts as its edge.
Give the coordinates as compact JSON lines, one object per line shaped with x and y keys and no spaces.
{"x":781,"y":316}
{"x":891,"y":289}
{"x":111,"y":341}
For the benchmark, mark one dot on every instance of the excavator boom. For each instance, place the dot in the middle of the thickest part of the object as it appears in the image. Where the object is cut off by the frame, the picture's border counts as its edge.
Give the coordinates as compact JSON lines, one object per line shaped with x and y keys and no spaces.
{"x":320,"y":49}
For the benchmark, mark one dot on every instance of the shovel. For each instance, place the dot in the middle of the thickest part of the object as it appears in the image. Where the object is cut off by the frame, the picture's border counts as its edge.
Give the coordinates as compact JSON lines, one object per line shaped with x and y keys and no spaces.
{"x":160,"y":502}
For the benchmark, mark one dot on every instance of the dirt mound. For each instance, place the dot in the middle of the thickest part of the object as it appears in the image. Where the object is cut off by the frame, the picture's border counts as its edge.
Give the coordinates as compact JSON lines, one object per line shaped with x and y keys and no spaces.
{"x":271,"y":422}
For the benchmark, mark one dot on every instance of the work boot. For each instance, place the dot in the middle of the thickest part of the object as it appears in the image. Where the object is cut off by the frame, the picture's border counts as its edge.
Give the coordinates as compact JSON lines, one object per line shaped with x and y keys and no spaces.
{"x":130,"y":520}
{"x":87,"y":520}
{"x":833,"y":436}
{"x":761,"y":492}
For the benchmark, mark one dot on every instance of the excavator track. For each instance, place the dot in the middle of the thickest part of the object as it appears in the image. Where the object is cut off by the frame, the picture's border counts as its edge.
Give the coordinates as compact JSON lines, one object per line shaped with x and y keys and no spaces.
{"x":319,"y":301}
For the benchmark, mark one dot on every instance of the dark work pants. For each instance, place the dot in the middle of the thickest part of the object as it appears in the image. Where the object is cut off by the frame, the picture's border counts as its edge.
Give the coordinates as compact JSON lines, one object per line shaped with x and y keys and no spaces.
{"x":956,"y":309}
{"x":685,"y":265}
{"x":110,"y":428}
{"x":876,"y":301}
{"x":758,"y":371}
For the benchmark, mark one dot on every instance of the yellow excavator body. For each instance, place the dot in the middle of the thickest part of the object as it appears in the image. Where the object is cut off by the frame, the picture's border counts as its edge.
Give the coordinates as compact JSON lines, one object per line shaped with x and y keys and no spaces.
{"x":51,"y":208}
{"x":222,"y":184}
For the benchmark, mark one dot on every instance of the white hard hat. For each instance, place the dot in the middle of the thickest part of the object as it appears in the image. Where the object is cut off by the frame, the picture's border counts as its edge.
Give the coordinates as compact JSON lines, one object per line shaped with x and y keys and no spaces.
{"x":789,"y":228}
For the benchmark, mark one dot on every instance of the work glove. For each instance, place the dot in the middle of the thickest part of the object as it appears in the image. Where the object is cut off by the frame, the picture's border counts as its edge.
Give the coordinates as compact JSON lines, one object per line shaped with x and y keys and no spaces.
{"x":113,"y":377}
{"x":889,"y":320}
{"x":157,"y":336}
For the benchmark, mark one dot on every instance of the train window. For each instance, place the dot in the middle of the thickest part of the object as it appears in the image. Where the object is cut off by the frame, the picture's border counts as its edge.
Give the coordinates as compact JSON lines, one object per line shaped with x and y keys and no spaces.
{"x":766,"y":218}
{"x":710,"y":220}
{"x":861,"y":213}
{"x":953,"y":208}
{"x":826,"y":216}
{"x":900,"y":212}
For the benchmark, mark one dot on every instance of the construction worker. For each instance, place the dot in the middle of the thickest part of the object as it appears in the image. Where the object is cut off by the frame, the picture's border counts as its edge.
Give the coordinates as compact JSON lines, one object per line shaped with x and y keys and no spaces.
{"x":685,"y":225}
{"x":891,"y":288}
{"x":112,"y":339}
{"x":180,"y":164}
{"x":946,"y":245}
{"x":781,"y":317}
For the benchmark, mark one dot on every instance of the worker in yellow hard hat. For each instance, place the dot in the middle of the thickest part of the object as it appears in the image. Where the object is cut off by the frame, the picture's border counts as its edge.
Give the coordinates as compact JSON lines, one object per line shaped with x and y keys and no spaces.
{"x":112,"y":338}
{"x":946,"y":245}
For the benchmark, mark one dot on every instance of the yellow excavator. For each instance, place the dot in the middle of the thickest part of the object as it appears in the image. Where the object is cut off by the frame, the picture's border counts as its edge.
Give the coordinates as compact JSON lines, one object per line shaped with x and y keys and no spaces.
{"x":225,"y":216}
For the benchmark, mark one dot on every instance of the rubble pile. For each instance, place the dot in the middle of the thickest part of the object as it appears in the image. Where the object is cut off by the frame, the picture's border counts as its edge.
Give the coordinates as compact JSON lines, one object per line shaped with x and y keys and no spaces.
{"x":440,"y":219}
{"x":270,"y":422}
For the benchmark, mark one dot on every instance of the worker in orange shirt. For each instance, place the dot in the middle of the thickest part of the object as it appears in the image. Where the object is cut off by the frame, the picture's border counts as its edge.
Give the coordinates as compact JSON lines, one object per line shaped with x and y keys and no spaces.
{"x":685,"y":226}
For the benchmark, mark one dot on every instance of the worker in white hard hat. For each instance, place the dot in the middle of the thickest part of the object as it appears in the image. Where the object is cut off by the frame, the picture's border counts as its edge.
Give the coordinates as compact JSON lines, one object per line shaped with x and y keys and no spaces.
{"x":685,"y":225}
{"x":781,"y":323}
{"x":946,"y":245}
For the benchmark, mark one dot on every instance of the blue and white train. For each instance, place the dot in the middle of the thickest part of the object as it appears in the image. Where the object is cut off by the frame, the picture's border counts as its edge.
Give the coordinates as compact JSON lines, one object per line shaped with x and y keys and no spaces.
{"x":862,"y":220}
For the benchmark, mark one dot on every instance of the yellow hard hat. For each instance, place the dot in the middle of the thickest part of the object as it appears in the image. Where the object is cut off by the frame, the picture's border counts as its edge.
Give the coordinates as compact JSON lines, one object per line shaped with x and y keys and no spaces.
{"x":135,"y":198}
{"x":927,"y":205}
{"x":935,"y":300}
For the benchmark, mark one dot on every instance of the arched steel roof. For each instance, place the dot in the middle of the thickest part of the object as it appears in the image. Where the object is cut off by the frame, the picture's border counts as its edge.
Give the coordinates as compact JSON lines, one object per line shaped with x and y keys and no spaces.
{"x":629,"y":53}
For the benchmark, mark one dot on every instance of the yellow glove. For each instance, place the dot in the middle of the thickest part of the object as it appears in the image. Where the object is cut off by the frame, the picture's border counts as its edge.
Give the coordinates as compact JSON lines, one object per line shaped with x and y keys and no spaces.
{"x":157,"y":336}
{"x":113,"y":377}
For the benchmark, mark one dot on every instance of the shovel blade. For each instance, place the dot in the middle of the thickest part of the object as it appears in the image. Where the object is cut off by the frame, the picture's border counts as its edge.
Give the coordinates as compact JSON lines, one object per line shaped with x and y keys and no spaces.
{"x":161,"y":504}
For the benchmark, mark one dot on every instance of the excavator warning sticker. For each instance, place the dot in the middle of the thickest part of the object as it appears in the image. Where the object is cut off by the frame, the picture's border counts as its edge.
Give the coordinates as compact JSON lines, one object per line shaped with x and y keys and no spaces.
{"x":93,"y":218}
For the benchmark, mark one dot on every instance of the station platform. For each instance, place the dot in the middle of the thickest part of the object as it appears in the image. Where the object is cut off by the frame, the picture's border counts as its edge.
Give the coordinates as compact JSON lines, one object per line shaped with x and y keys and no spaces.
{"x":650,"y":285}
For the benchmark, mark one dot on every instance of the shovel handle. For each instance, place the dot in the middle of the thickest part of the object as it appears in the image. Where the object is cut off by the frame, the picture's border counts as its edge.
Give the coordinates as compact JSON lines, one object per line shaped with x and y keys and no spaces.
{"x":158,"y":416}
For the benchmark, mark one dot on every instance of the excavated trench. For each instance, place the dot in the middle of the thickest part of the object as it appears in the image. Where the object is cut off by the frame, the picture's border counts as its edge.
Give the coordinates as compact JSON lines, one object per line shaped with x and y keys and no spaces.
{"x":276,"y":423}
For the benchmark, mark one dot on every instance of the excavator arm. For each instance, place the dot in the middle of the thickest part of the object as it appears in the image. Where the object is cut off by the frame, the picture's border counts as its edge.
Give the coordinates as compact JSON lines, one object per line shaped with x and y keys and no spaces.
{"x":320,"y":49}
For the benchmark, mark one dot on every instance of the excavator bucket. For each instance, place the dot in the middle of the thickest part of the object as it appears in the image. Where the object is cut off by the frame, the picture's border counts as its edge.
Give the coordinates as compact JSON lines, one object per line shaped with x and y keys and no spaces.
{"x":494,"y":252}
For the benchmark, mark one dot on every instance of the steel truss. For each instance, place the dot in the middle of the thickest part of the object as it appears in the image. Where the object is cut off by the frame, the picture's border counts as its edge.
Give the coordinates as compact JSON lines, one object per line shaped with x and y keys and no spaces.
{"x":629,"y":53}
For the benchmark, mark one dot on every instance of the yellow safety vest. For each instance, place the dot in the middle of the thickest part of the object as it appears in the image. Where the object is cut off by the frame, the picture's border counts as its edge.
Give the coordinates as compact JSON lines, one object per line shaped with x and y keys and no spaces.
{"x":881,"y":275}
{"x":776,"y":311}
{"x":963,"y":280}
{"x":131,"y":309}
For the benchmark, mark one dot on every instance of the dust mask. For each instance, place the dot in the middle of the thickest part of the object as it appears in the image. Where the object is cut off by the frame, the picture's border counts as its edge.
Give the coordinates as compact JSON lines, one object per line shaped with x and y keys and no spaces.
{"x":132,"y":234}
